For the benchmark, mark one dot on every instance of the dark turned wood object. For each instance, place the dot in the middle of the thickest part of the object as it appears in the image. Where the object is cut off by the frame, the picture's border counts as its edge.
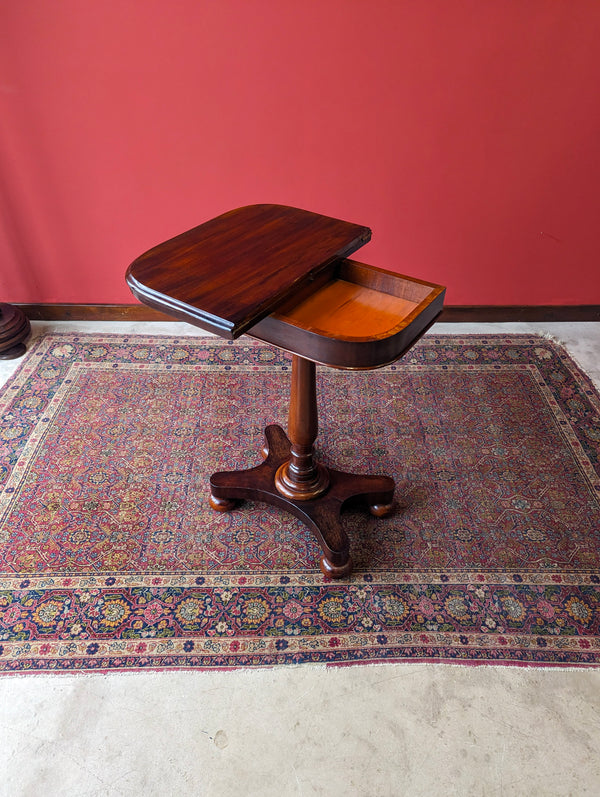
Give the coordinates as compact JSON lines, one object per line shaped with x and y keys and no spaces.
{"x":280,"y":274}
{"x":291,"y":479}
{"x":14,"y":330}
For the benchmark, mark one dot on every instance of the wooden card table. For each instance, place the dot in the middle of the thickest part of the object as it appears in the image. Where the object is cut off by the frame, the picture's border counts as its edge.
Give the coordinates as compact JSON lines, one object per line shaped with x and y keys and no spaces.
{"x":280,"y":274}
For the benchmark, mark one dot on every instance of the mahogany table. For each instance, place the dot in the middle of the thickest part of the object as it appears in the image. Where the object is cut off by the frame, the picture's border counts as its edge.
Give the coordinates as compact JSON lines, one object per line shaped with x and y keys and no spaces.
{"x":280,"y":274}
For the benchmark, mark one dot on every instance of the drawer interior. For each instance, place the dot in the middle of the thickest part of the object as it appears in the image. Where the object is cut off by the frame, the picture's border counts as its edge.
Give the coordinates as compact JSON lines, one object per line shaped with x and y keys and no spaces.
{"x":353,"y":301}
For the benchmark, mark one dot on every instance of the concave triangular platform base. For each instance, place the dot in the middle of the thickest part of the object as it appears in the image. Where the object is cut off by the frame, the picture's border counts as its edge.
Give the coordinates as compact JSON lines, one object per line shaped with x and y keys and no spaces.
{"x":320,"y":514}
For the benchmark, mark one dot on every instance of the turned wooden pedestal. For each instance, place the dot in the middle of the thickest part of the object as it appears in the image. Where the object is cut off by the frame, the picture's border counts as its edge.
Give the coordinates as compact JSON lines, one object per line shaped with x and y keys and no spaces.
{"x":280,"y":274}
{"x":291,"y":479}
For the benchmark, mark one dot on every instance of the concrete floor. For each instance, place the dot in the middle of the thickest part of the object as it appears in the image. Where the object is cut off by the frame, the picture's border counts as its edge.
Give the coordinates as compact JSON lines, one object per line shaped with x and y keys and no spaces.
{"x":389,"y":729}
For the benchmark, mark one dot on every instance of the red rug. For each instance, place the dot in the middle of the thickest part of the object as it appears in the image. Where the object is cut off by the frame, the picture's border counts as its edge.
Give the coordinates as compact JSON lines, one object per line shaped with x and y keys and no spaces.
{"x":111,"y":559}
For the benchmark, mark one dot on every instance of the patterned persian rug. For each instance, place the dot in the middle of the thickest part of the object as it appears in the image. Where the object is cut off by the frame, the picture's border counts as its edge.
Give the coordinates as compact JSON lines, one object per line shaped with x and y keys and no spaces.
{"x":111,"y":558}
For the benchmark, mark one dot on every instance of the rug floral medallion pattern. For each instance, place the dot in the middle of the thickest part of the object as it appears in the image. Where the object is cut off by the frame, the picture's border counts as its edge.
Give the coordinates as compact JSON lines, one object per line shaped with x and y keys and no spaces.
{"x":111,"y":558}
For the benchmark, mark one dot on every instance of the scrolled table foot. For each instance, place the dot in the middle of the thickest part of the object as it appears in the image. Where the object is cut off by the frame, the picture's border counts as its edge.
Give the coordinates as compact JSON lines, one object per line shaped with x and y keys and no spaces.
{"x":335,"y":571}
{"x":222,"y":504}
{"x":381,"y":510}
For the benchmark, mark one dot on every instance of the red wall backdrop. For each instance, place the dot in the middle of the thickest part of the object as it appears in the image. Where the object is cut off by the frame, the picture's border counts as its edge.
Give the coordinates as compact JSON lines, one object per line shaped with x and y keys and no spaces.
{"x":465,"y":133}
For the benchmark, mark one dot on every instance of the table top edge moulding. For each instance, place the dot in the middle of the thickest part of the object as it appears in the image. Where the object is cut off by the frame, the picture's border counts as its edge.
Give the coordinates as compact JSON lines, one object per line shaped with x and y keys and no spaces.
{"x":230,"y":272}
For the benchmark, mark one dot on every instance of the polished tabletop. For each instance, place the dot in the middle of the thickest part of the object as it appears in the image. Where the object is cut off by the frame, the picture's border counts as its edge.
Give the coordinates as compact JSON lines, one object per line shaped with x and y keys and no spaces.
{"x":234,"y":270}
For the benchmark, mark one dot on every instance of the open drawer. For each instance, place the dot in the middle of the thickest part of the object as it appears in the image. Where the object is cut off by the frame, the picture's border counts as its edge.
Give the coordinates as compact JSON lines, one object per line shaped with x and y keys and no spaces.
{"x":353,"y":316}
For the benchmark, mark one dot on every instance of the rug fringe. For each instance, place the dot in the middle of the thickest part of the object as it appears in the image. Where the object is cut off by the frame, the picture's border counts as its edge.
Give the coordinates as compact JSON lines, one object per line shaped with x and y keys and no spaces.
{"x":328,"y":670}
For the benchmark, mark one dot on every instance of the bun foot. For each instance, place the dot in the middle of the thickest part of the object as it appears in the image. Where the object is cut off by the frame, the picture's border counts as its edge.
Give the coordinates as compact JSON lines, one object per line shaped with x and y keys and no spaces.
{"x":222,"y":504}
{"x":381,"y":510}
{"x":335,"y":571}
